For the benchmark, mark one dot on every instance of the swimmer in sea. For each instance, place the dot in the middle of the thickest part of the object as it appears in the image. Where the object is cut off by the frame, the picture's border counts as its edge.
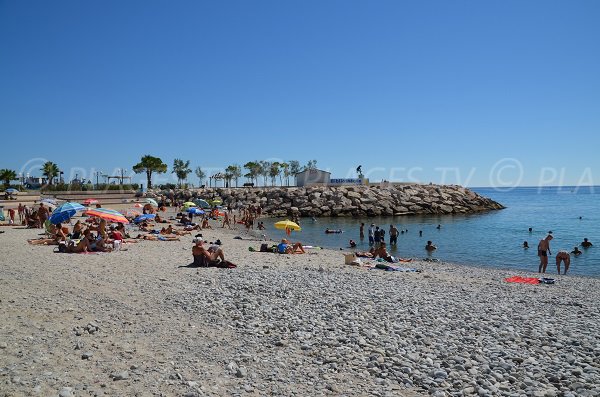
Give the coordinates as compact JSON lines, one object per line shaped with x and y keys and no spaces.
{"x":586,"y":244}
{"x":352,"y":244}
{"x":525,"y":244}
{"x":576,"y":251}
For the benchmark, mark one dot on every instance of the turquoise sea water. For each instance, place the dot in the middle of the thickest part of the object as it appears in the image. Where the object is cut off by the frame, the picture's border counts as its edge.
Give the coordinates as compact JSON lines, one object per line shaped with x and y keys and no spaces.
{"x":490,"y":239}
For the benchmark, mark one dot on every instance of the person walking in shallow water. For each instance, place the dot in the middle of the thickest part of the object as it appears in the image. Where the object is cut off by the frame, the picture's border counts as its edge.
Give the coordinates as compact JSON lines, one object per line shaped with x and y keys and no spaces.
{"x":563,"y":256}
{"x":543,"y":252}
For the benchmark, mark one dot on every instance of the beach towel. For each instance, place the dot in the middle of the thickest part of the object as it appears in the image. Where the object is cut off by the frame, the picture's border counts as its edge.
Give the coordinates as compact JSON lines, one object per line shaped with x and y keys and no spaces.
{"x":522,"y":280}
{"x":390,"y":268}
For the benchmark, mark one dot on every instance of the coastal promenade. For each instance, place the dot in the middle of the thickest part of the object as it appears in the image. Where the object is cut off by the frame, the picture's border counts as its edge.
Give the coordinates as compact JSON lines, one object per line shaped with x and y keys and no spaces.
{"x":134,"y":322}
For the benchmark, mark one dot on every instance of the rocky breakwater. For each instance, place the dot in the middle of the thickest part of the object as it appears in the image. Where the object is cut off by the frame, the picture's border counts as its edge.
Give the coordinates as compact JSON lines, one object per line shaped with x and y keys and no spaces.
{"x":321,"y":201}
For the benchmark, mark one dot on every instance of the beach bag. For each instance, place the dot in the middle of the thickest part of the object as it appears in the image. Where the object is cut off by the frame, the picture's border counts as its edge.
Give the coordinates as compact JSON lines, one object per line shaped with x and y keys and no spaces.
{"x":264,"y":248}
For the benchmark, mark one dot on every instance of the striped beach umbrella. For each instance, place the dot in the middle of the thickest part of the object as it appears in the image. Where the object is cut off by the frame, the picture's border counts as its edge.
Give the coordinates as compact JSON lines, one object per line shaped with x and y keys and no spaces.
{"x":108,"y":214}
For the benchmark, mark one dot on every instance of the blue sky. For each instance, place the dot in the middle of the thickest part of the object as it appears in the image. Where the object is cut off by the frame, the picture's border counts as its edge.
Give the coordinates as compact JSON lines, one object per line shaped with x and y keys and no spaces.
{"x":470,"y":92}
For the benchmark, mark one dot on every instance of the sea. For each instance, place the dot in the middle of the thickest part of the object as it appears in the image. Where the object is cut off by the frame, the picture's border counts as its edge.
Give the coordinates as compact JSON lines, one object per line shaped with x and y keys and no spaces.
{"x":493,"y":238}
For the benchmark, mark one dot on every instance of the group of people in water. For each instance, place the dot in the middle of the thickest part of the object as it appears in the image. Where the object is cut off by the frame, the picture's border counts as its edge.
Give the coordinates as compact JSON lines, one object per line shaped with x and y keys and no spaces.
{"x":376,"y":236}
{"x":562,"y":256}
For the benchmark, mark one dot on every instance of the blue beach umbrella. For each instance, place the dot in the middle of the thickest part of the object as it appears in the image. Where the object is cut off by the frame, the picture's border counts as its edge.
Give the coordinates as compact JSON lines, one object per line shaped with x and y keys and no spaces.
{"x":144,"y":217}
{"x":65,"y":212}
{"x":11,"y":191}
{"x":195,"y":211}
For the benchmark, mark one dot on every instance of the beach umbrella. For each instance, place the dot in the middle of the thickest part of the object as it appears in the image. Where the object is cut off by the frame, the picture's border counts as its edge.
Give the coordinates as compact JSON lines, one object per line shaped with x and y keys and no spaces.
{"x":195,"y":211}
{"x":108,"y":214}
{"x":188,"y":204}
{"x":202,"y":203}
{"x":90,"y":201}
{"x":49,"y":201}
{"x":216,"y":201}
{"x":65,"y":212}
{"x":152,"y":201}
{"x":144,"y":217}
{"x":287,"y":225}
{"x":11,"y":191}
{"x":138,"y":205}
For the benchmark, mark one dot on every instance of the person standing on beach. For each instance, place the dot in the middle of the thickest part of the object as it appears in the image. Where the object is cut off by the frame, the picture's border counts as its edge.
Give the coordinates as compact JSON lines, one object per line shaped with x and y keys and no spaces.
{"x":21,"y":210}
{"x":11,"y":216}
{"x":226,"y":220}
{"x":543,"y":252}
{"x":43,"y":214}
{"x":362,"y":231}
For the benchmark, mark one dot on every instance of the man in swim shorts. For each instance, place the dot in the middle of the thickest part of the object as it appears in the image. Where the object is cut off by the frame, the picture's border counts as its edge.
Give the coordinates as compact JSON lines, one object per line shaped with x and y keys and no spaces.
{"x":563,"y":256}
{"x":543,"y":252}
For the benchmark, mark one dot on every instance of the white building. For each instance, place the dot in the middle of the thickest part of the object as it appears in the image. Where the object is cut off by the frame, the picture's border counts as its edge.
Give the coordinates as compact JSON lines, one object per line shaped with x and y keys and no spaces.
{"x":313,"y":177}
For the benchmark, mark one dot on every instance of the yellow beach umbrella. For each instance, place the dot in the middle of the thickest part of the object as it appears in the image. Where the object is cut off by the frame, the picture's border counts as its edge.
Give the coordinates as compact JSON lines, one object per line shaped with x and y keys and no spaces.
{"x":189,"y":204}
{"x":287,"y":225}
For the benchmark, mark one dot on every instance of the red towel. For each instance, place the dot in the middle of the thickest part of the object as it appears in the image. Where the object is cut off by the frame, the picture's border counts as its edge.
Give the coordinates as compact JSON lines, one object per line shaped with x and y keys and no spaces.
{"x":523,"y":280}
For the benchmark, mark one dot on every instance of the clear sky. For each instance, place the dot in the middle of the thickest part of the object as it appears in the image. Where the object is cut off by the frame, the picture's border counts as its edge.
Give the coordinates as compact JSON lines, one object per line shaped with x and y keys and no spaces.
{"x":472,"y":92}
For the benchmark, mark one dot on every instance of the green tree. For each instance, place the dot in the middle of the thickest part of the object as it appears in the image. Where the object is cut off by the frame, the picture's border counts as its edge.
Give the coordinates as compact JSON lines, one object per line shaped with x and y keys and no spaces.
{"x":200,"y":174}
{"x":311,"y":165}
{"x":233,"y":171}
{"x":253,"y":168}
{"x":149,"y":165}
{"x":7,"y":175}
{"x":294,"y":168}
{"x":285,"y":168}
{"x":50,"y":171}
{"x":181,"y":169}
{"x":274,"y":171}
{"x":264,"y":168}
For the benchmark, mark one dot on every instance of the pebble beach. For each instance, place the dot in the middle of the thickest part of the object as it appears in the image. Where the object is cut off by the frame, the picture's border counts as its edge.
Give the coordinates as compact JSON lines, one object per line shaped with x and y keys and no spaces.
{"x":138,"y":322}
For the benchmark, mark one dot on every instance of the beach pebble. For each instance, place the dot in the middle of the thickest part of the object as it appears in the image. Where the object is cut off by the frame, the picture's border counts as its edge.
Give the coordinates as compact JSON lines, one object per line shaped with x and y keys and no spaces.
{"x":66,"y":392}
{"x":123,"y":375}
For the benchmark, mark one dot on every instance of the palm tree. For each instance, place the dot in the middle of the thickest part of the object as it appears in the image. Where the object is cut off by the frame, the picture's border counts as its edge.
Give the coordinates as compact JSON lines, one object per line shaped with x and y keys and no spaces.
{"x":50,"y":171}
{"x":149,"y":165}
{"x":181,"y":169}
{"x":200,"y":174}
{"x":7,"y":175}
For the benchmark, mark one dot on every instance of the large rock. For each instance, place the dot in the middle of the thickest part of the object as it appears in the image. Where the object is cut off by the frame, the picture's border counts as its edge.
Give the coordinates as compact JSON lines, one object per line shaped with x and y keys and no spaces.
{"x":347,"y":200}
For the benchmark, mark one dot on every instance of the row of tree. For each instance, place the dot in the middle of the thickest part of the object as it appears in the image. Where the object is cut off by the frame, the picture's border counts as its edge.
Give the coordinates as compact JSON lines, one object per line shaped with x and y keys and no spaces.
{"x":272,"y":171}
{"x":268,"y":170}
